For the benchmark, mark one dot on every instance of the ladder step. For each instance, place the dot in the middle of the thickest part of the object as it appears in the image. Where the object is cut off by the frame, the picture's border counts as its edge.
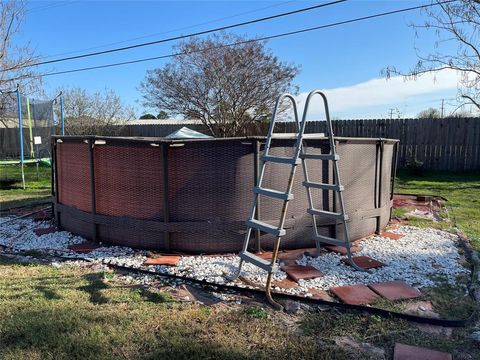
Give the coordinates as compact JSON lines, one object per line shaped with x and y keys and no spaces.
{"x":273,"y":193}
{"x":257,"y":224}
{"x":329,"y":240}
{"x":282,"y":160}
{"x":257,"y":261}
{"x":328,"y":214}
{"x":320,"y":156}
{"x":295,"y":136}
{"x":333,"y":187}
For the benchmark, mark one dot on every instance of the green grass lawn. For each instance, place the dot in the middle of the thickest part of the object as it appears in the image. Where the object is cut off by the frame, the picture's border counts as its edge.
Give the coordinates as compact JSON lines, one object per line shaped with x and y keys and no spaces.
{"x":80,"y":313}
{"x":12,"y":194}
{"x":462,"y":192}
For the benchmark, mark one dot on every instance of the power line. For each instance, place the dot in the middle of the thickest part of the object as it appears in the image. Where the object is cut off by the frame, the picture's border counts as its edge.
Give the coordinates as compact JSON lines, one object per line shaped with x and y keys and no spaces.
{"x":221,"y":28}
{"x":51,"y":6}
{"x":170,"y":31}
{"x":338,"y":23}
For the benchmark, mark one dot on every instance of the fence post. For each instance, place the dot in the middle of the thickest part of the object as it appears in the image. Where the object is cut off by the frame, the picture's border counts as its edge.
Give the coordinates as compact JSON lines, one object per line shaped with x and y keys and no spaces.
{"x":91,"y":144}
{"x":166,"y":209}
{"x":62,"y":119}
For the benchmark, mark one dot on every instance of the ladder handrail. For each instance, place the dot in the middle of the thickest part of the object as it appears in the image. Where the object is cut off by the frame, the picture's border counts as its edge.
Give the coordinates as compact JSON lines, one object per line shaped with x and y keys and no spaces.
{"x":279,"y":102}
{"x":327,"y":116}
{"x":336,"y":175}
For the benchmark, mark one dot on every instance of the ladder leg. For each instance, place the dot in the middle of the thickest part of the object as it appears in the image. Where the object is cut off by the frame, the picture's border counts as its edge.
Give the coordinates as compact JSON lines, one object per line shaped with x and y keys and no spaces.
{"x":268,"y":287}
{"x":332,"y":156}
{"x":253,"y":222}
{"x":318,"y":247}
{"x":350,"y":260}
{"x":244,"y":248}
{"x":237,"y":273}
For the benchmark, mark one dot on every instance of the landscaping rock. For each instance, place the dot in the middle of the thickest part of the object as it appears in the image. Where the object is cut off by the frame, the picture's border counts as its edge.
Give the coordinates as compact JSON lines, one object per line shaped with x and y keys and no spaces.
{"x":419,"y":257}
{"x":369,"y":351}
{"x":291,"y":307}
{"x":408,"y":352}
{"x":475,"y":336}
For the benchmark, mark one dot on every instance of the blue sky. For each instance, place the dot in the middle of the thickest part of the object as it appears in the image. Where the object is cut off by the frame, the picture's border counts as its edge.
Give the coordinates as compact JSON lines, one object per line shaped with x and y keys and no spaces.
{"x":345,"y":61}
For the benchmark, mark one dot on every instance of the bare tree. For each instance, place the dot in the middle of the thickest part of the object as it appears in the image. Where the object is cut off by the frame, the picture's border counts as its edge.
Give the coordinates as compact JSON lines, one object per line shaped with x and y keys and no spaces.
{"x":455,"y":22}
{"x":99,"y":113}
{"x":14,"y":59}
{"x":430,"y":113}
{"x":227,"y":87}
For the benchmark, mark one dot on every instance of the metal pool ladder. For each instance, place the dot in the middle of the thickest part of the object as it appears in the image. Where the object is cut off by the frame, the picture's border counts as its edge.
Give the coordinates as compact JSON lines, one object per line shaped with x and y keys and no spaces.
{"x":339,"y":217}
{"x":297,"y":158}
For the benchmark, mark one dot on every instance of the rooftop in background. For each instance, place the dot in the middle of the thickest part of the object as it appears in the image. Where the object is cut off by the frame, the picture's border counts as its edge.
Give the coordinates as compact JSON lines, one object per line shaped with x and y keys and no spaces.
{"x":163,"y":122}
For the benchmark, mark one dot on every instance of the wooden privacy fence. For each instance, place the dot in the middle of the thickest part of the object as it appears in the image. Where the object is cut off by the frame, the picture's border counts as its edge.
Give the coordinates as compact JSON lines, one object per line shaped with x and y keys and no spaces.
{"x":451,"y":144}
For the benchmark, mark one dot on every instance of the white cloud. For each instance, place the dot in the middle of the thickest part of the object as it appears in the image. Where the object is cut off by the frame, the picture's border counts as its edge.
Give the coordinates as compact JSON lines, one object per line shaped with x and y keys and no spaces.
{"x":367,"y":98}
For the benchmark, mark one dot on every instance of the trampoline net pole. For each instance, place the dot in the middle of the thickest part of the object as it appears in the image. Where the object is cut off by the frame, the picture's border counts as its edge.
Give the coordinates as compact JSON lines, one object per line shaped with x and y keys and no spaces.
{"x":20,"y":126}
{"x":30,"y":130}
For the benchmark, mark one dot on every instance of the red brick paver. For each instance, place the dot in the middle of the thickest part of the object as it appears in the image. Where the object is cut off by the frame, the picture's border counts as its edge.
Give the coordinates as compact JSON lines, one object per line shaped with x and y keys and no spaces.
{"x":391,"y":235}
{"x":355,"y":294}
{"x":364,"y":262}
{"x":342,"y":250}
{"x":163,"y":260}
{"x":395,"y":290}
{"x":320,"y":295}
{"x":251,"y":283}
{"x":45,"y":231}
{"x":301,"y":272}
{"x":84,"y":247}
{"x":285,"y":254}
{"x":267,"y":255}
{"x":42,"y":215}
{"x":285,"y":283}
{"x":408,"y":352}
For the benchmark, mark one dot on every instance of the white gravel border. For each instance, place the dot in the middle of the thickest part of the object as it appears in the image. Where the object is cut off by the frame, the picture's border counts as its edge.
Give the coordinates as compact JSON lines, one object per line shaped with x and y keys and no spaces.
{"x":421,"y":258}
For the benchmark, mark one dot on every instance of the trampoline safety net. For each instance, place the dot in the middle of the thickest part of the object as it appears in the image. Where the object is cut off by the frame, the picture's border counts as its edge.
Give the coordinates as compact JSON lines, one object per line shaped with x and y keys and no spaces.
{"x":26,"y":126}
{"x":38,"y":124}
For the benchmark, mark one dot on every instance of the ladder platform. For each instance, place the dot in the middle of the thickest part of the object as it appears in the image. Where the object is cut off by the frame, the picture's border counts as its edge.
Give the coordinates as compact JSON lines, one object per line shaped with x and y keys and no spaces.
{"x":328,"y":214}
{"x":281,"y":160}
{"x":331,"y":157}
{"x":330,"y":241}
{"x":273,"y":193}
{"x":332,"y":187}
{"x":257,"y":261}
{"x":262,"y":226}
{"x":295,"y":136}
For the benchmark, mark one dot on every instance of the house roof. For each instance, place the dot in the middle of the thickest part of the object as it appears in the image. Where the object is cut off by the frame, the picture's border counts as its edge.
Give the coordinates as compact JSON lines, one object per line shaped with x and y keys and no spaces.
{"x":163,"y":122}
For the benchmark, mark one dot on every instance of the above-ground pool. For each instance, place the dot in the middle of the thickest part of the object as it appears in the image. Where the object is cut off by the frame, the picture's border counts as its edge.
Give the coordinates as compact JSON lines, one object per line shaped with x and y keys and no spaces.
{"x":194,"y":196}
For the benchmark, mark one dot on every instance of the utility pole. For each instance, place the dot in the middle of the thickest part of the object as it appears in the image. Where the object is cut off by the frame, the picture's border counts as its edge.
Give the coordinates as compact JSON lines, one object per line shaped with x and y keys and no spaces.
{"x":442,"y":108}
{"x":391,"y":113}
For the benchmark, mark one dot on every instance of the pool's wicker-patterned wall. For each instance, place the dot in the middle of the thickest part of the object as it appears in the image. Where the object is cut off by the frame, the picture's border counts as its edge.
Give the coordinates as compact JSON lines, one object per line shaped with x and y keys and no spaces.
{"x":194,"y":195}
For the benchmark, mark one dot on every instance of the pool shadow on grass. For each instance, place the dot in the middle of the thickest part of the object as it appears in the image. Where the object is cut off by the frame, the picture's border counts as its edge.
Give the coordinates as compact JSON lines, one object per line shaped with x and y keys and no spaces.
{"x":48,"y":293}
{"x":95,"y":284}
{"x":78,"y":332}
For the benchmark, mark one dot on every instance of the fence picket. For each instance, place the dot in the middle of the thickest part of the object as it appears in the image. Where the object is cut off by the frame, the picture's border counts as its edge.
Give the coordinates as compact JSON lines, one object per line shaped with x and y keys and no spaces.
{"x":442,"y":144}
